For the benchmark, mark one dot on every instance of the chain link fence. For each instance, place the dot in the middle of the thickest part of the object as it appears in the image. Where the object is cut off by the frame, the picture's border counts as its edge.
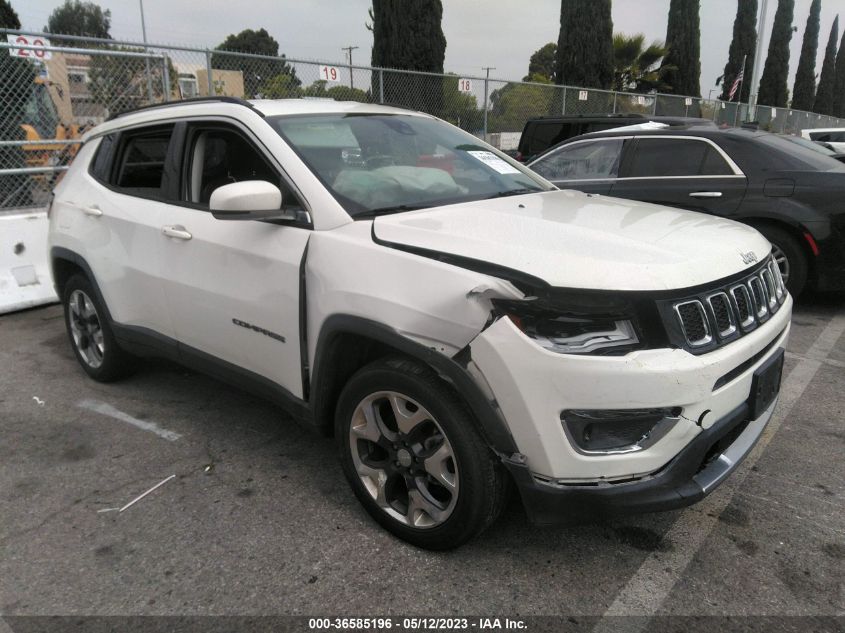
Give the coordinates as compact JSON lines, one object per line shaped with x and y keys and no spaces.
{"x":53,"y":88}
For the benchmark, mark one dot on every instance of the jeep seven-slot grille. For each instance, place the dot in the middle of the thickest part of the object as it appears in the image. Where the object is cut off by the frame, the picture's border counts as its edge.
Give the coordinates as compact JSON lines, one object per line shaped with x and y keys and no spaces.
{"x":723,"y":313}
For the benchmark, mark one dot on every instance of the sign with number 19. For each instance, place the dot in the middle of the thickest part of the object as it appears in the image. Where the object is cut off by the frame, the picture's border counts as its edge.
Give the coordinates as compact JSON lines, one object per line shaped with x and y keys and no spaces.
{"x":329,"y":73}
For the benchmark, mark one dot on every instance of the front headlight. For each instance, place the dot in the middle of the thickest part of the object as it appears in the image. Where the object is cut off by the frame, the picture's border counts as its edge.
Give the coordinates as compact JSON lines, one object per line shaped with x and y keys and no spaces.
{"x":571,"y":331}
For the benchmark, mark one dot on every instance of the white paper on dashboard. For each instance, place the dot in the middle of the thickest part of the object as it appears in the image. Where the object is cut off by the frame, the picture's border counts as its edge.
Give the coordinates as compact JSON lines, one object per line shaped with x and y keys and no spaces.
{"x":494,"y":162}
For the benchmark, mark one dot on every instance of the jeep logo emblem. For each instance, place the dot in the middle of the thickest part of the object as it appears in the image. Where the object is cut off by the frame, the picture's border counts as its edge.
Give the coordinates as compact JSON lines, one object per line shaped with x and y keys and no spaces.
{"x":748,"y":258}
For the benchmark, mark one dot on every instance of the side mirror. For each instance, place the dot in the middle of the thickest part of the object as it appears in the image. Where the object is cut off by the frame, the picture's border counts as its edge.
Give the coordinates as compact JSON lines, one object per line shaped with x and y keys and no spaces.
{"x":248,"y":200}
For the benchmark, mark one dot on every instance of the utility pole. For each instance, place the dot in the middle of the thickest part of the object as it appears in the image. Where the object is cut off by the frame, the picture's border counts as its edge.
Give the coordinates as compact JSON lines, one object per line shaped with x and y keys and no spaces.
{"x":487,"y":70}
{"x":147,"y":59}
{"x":349,"y":50}
{"x":758,"y":66}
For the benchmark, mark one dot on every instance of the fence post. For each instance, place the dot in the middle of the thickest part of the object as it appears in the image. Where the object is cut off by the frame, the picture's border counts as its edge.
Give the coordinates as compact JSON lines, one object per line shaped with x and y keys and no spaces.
{"x":563,"y":101}
{"x":208,"y":72}
{"x":654,"y":109}
{"x":165,"y":77}
{"x":149,"y":76}
{"x":486,"y":79}
{"x":381,"y":85}
{"x":614,"y":101}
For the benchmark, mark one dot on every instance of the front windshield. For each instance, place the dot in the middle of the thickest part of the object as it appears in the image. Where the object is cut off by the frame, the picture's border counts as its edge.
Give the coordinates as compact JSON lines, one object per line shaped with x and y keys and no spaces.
{"x":387,"y":163}
{"x":40,"y":113}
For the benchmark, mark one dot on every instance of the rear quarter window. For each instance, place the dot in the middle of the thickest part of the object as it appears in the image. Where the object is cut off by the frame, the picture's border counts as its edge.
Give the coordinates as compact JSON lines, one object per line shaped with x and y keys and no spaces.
{"x":102,"y":161}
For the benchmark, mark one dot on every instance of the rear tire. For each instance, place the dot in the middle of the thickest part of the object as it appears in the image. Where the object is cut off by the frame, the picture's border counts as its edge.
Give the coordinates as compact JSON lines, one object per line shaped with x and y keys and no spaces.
{"x":411,"y":453}
{"x":91,"y":336}
{"x":790,"y":256}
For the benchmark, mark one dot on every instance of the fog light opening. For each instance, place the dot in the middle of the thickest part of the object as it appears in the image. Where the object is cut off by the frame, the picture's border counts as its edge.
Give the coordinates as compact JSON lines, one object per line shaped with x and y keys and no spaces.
{"x":603,"y":431}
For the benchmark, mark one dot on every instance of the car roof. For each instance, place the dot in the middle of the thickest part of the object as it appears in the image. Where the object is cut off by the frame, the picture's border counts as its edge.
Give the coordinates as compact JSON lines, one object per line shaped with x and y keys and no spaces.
{"x":824,"y":129}
{"x":708,"y":131}
{"x":210,"y":106}
{"x":282,"y":107}
{"x":621,"y":117}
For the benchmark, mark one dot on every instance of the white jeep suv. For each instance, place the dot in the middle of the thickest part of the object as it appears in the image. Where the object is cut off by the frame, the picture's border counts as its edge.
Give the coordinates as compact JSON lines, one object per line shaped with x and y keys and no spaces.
{"x":452,"y":318}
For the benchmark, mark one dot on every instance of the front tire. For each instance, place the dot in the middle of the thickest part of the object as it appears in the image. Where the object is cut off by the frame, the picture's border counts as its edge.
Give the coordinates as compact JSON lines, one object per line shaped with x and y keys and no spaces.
{"x":412,"y":455}
{"x":90,"y":333}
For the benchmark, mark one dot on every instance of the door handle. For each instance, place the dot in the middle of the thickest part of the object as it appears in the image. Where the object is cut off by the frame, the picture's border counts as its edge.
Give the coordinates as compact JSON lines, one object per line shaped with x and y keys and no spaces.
{"x":177,"y":230}
{"x":706,"y":194}
{"x":93,"y":211}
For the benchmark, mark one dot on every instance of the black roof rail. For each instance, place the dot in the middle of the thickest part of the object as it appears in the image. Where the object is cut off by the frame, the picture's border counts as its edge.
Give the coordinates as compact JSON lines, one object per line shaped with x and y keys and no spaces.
{"x":167,"y":104}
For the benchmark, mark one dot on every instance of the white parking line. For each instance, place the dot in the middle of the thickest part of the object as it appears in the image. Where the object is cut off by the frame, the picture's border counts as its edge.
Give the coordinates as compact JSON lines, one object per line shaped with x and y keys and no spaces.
{"x":649,"y":587}
{"x":106,"y":409}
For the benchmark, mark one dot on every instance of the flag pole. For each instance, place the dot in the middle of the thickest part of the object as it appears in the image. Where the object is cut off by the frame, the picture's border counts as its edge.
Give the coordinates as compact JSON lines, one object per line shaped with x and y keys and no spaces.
{"x":739,"y":91}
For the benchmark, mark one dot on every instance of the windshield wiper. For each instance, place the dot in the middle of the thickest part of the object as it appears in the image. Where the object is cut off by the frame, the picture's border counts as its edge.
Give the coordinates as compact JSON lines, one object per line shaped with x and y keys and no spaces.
{"x":399,"y":208}
{"x":514,"y":192}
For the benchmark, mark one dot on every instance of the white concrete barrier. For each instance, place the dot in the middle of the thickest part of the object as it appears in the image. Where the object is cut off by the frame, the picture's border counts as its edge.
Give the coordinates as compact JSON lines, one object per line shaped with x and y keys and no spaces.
{"x":25,"y":278}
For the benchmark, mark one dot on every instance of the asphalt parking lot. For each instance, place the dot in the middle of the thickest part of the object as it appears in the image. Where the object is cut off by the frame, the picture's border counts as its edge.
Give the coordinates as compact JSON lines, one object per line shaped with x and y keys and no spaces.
{"x":259,"y":520}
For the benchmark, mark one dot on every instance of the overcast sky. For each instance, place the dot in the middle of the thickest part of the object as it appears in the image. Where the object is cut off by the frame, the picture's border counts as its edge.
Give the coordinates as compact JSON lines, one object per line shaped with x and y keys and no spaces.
{"x":499,"y":33}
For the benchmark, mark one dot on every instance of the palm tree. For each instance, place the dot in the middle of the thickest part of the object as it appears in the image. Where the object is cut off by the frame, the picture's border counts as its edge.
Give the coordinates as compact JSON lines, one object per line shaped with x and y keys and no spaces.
{"x":637,"y":67}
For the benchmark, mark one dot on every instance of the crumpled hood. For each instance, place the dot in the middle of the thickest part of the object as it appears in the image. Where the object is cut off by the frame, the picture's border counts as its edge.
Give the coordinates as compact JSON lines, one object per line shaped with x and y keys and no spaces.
{"x":571,"y":239}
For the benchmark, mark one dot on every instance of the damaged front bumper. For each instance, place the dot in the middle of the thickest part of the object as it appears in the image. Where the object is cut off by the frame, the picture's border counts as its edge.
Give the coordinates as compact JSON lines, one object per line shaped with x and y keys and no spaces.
{"x":695,"y":472}
{"x":559,"y":481}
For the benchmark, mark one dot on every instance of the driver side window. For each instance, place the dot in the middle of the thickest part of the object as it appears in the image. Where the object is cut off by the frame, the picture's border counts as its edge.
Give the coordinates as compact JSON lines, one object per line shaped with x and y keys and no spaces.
{"x":218,"y":156}
{"x":588,"y":160}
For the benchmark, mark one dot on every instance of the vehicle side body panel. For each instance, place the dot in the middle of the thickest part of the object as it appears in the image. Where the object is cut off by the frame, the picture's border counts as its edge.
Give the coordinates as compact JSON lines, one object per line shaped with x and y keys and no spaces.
{"x":119,"y":236}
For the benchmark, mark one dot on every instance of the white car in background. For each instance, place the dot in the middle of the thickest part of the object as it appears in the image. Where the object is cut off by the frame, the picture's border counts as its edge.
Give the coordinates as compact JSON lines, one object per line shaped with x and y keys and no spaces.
{"x":834,"y":137}
{"x":451,"y":317}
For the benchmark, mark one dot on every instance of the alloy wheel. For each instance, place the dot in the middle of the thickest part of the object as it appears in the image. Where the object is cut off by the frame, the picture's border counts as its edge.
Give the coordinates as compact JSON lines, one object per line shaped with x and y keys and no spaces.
{"x":782,"y":262}
{"x":85,"y":328}
{"x":404,"y":459}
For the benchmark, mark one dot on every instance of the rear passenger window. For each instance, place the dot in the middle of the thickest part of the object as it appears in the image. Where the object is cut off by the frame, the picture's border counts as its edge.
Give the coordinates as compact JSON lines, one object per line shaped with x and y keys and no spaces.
{"x":715,"y":165}
{"x":140,"y":161}
{"x":661,"y":158}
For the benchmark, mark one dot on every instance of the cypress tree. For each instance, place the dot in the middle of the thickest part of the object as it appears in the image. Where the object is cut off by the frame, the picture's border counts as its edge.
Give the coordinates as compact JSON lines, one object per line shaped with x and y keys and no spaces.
{"x":773,"y":89}
{"x":824,"y":96}
{"x":585,"y":44}
{"x":742,"y":46}
{"x":407,"y":34}
{"x":17,"y":80}
{"x":804,"y":90}
{"x":683,"y":39}
{"x":8,"y":16}
{"x":839,"y":84}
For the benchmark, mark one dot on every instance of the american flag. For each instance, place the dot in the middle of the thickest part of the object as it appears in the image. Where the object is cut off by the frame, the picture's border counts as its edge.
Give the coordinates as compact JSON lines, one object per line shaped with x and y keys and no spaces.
{"x":735,"y":86}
